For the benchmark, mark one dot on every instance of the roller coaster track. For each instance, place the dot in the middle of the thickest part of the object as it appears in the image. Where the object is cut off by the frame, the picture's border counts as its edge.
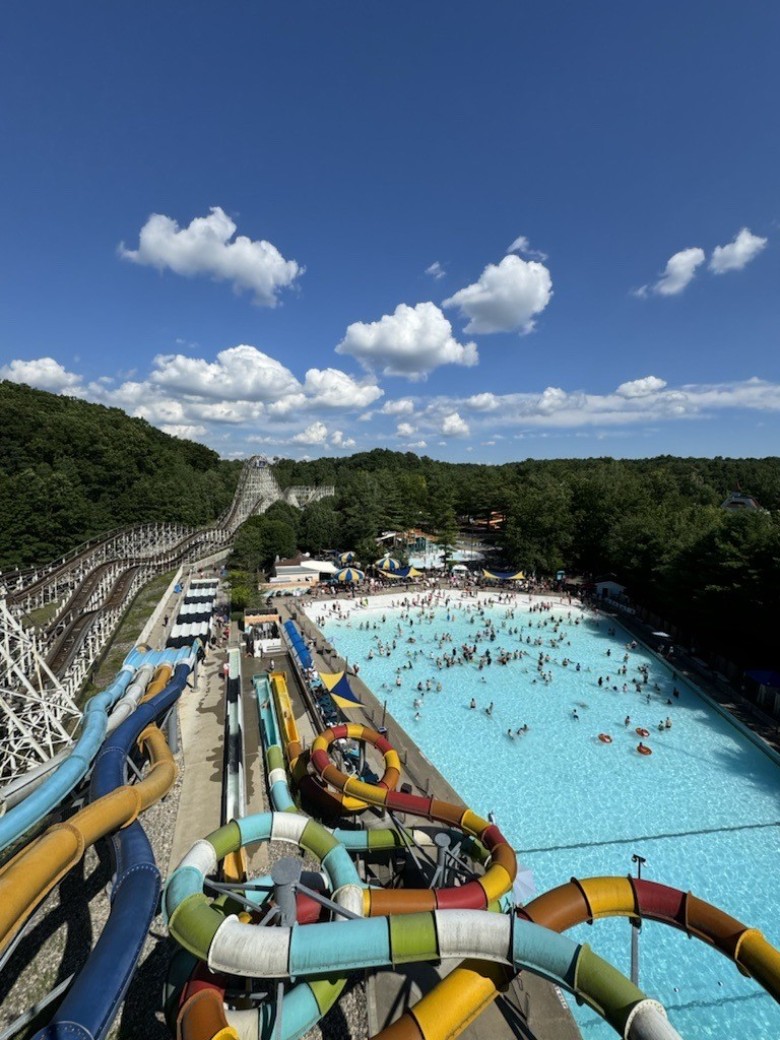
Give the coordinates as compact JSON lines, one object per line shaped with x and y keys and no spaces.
{"x":42,"y":668}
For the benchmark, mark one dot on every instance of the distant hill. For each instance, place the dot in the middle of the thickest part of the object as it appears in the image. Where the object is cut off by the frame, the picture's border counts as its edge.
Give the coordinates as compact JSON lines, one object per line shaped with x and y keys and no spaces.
{"x":70,"y":470}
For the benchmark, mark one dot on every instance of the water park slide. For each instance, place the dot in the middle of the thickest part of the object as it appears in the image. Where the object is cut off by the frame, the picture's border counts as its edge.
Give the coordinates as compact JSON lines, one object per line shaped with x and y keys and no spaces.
{"x":30,"y":875}
{"x":330,"y":801}
{"x":465,"y":992}
{"x":93,"y":999}
{"x":57,"y":786}
{"x":95,"y":996}
{"x":34,"y":796}
{"x":202,"y":1016}
{"x":218,"y":937}
{"x":593,"y":898}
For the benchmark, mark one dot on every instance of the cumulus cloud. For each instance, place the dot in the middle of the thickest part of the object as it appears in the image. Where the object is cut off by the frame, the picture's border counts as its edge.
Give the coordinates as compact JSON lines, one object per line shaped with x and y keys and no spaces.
{"x":485,"y":402}
{"x":400,"y":406}
{"x":436,"y":271}
{"x":453,"y":426}
{"x":506,"y":297}
{"x":678,"y":273}
{"x":338,"y":440}
{"x":331,"y":388}
{"x":522,"y":245}
{"x":405,"y":429}
{"x":737,"y":254}
{"x":410,"y":342}
{"x":315,"y":433}
{"x":641,"y":387}
{"x":208,"y":247}
{"x":42,"y":373}
{"x":241,"y":373}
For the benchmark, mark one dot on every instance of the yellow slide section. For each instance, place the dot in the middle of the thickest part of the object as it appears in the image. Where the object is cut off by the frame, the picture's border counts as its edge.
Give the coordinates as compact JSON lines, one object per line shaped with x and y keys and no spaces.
{"x":292,"y":741}
{"x":28,"y":878}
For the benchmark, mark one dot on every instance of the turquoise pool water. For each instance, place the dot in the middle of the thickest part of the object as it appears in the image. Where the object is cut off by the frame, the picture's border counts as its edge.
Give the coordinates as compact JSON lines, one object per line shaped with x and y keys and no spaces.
{"x":703,"y":809}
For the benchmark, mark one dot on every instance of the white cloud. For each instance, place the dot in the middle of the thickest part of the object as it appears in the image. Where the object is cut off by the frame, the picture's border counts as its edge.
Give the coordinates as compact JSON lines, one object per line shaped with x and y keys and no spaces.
{"x":641,"y":387}
{"x":241,"y":373}
{"x":735,"y":255}
{"x":678,"y":273}
{"x":338,"y":440}
{"x":410,"y":342}
{"x":640,"y":401}
{"x":506,"y":296}
{"x":183,"y":430}
{"x":42,"y":373}
{"x":485,"y":402}
{"x":453,"y":426}
{"x":205,"y":248}
{"x":400,"y":406}
{"x":522,"y":245}
{"x":436,"y":271}
{"x":417,"y":444}
{"x":316,"y":433}
{"x":405,"y":429}
{"x":331,"y":388}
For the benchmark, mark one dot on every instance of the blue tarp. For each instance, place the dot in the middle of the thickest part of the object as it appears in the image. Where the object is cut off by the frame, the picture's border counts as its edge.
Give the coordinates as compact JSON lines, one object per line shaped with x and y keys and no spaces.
{"x":298,"y":644}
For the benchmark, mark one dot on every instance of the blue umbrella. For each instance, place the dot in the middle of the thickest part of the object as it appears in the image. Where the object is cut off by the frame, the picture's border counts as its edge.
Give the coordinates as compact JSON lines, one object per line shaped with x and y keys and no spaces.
{"x":347,"y":557}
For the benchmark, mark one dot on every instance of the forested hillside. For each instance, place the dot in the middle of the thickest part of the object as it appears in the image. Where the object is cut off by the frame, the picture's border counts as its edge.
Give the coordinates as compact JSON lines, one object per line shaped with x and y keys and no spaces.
{"x":656,"y":524}
{"x":70,"y":470}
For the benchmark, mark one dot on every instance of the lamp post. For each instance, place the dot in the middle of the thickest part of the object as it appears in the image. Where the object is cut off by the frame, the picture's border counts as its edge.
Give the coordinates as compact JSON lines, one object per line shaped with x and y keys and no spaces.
{"x":636,"y":924}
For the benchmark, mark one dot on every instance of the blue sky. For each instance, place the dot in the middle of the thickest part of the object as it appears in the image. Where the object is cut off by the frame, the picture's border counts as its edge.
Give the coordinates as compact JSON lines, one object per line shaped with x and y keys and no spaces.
{"x":478,"y":232}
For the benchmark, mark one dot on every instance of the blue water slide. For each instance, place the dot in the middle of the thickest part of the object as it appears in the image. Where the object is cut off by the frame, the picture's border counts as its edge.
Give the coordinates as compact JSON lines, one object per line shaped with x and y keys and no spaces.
{"x":73,"y":769}
{"x":93,"y":1000}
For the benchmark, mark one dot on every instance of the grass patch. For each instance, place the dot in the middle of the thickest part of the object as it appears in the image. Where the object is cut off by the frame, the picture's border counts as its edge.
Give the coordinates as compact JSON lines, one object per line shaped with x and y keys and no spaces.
{"x":41,"y":616}
{"x":126,"y":636}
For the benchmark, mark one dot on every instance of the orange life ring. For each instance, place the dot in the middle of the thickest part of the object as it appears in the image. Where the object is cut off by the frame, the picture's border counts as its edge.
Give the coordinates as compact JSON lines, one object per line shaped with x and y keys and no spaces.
{"x":640,"y":732}
{"x":605,"y":738}
{"x":643,"y":750}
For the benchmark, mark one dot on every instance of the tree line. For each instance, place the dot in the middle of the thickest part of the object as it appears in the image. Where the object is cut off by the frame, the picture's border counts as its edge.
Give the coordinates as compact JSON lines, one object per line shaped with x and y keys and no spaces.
{"x":656,"y":525}
{"x":71,"y":470}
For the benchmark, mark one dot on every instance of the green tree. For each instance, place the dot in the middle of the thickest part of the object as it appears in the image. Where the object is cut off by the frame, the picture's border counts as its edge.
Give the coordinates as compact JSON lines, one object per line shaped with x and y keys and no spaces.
{"x":319,"y":524}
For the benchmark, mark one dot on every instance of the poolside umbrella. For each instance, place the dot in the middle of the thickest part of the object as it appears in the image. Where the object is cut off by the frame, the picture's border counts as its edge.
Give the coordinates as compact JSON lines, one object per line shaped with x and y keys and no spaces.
{"x":387,"y":563}
{"x":343,"y":695}
{"x":404,"y":572}
{"x":524,"y":886}
{"x":350,"y":574}
{"x":346,"y":557}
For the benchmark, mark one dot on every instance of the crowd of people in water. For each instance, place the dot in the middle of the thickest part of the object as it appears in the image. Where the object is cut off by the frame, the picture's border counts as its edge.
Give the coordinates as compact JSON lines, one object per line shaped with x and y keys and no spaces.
{"x":505,"y":629}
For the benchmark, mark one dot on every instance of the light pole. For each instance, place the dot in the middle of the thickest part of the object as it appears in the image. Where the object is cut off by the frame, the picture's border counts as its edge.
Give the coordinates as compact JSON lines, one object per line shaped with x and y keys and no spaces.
{"x":636,"y":924}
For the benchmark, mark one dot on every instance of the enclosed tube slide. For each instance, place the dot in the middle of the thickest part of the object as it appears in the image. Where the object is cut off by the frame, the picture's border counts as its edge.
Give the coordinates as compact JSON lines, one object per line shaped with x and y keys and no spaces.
{"x":56,"y":788}
{"x":228,"y":945}
{"x":93,"y":1000}
{"x":30,"y":875}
